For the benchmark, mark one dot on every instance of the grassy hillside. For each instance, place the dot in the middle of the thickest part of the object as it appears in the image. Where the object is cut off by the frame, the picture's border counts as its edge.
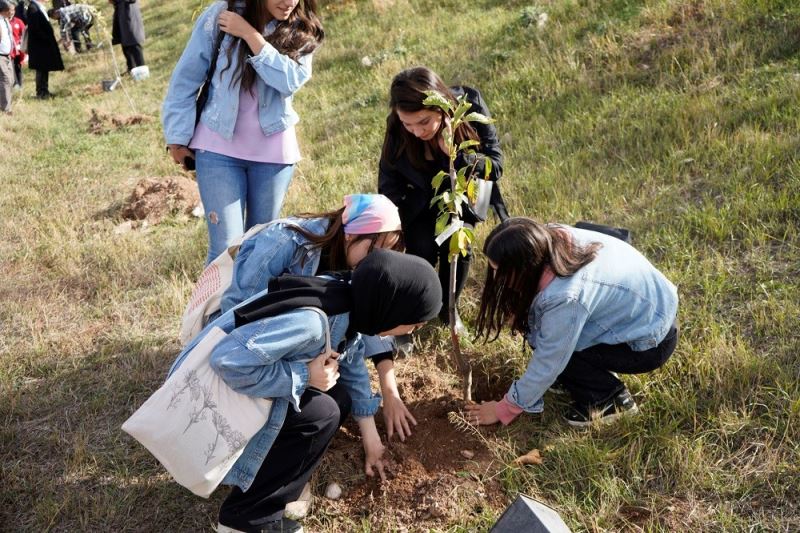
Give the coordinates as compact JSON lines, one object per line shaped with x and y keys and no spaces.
{"x":677,"y":119}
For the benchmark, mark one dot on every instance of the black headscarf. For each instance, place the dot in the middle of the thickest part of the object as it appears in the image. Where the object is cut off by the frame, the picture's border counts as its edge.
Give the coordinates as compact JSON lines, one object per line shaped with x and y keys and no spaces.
{"x":392,"y":289}
{"x":388,"y":289}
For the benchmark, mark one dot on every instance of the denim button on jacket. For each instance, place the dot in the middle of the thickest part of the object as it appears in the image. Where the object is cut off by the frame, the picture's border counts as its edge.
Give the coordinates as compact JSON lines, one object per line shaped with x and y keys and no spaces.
{"x":278,"y":78}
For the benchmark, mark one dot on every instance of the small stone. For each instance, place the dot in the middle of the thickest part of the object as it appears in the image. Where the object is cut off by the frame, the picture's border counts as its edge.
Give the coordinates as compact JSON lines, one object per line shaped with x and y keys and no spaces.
{"x":333,"y":491}
{"x":124,"y":227}
{"x":198,"y":211}
{"x":468,"y":454}
{"x":366,"y":61}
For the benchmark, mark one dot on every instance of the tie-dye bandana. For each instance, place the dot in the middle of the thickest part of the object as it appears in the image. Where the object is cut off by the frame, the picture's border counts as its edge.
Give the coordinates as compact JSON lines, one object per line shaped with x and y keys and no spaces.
{"x":369,"y":213}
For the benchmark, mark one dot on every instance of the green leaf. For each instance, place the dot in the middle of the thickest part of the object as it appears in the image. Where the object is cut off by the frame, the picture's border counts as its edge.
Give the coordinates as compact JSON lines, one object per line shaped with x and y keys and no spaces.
{"x":441,"y":223}
{"x":437,"y":99}
{"x":454,"y":249}
{"x":435,"y":199}
{"x":487,"y":170}
{"x":478,"y":117}
{"x":463,"y":107}
{"x":472,"y":191}
{"x":437,"y":180}
{"x":461,"y":180}
{"x":466,"y":144}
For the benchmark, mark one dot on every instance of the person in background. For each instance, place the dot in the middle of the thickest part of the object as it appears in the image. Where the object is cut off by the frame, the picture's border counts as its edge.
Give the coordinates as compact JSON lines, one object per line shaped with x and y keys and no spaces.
{"x":244,"y":143}
{"x":18,"y":56}
{"x":7,"y":47}
{"x":43,"y":53}
{"x":414,"y":152}
{"x":589,"y":304}
{"x":75,"y":20}
{"x":128,"y":30}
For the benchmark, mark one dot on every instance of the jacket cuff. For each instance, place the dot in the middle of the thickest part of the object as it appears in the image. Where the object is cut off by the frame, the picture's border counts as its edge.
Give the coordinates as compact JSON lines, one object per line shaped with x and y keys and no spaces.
{"x":378,"y":357}
{"x":513,"y":397}
{"x":366,"y":407}
{"x":507,"y":411}
{"x":299,"y":383}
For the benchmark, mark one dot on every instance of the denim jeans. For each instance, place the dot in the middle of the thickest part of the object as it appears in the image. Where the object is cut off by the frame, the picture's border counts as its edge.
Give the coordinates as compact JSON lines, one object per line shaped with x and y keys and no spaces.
{"x":232,"y":188}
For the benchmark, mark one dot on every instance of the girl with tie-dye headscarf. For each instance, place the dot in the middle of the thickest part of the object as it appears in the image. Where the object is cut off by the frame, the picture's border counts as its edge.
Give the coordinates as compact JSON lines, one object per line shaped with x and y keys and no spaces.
{"x":311,"y":244}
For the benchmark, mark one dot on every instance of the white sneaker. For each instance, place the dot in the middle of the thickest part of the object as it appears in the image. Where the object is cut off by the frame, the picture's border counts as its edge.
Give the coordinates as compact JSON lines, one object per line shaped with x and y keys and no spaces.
{"x":297,"y":510}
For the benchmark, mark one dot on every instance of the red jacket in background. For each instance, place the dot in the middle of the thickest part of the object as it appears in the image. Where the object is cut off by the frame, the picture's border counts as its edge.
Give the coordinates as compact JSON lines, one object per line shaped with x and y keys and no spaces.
{"x":17,"y":27}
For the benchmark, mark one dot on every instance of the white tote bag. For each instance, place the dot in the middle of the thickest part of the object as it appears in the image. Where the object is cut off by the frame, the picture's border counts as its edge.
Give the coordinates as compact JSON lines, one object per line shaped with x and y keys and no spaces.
{"x":208,"y":291}
{"x":195,"y":424}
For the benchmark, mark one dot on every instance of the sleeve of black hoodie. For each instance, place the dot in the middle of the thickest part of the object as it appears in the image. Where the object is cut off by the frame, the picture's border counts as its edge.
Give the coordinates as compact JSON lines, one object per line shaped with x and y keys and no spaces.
{"x":490,"y":144}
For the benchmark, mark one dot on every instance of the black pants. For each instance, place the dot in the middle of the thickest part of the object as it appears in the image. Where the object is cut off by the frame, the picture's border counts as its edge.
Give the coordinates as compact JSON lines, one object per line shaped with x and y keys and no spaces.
{"x":42,"y":82}
{"x":18,"y":71}
{"x":588,"y":375}
{"x":294,"y":456}
{"x":134,"y":56}
{"x":420,"y":241}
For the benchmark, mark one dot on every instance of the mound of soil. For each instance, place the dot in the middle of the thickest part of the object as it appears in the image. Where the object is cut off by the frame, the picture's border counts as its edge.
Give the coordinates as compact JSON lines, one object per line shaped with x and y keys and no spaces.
{"x":440,"y":475}
{"x":153,"y":199}
{"x":100,"y":123}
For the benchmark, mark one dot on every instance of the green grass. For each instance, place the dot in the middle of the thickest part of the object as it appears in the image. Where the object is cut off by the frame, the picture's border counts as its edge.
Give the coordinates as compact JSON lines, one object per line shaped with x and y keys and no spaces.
{"x":678,"y":120}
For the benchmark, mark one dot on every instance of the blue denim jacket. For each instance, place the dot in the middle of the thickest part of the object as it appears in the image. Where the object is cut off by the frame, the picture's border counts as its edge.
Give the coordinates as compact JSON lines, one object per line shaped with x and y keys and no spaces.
{"x":278,"y":78}
{"x":267,"y":358}
{"x":620,"y":297}
{"x":275,"y":250}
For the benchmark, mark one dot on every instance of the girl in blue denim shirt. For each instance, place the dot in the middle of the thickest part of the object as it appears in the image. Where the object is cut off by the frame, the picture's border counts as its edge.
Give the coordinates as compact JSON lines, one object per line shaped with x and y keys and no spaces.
{"x":270,"y":338}
{"x":244,"y":144}
{"x":589,"y":304}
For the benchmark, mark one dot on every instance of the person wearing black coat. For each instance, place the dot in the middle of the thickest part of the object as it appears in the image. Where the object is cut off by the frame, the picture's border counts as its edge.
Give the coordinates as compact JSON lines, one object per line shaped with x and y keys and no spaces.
{"x":128,"y":30}
{"x":44,"y":55}
{"x":413,"y":154}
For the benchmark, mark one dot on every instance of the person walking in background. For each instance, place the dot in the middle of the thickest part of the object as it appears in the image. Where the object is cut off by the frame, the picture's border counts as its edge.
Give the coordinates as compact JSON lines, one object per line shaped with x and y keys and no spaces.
{"x":128,"y":30}
{"x":18,"y":56}
{"x":414,"y":152}
{"x":7,"y":47}
{"x":589,"y":305}
{"x":244,"y":143}
{"x":43,"y":53}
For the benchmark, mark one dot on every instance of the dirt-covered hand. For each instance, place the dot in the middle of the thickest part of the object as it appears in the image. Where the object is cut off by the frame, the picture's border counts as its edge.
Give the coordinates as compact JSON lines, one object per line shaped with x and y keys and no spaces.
{"x":373,"y":450}
{"x":323,"y":372}
{"x":397,"y":417}
{"x":484,"y":414}
{"x":233,"y":24}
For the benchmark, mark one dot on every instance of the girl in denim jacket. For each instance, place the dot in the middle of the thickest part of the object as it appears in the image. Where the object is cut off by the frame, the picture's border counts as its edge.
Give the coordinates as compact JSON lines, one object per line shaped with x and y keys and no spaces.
{"x":244,"y":144}
{"x":265,"y":355}
{"x":589,"y":304}
{"x":317,"y":243}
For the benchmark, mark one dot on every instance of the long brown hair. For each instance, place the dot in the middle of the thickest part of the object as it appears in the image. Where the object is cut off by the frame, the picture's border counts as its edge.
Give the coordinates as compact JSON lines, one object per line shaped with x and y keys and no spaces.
{"x":333,"y":245}
{"x":407,"y":94}
{"x":520,"y":248}
{"x":300,"y":34}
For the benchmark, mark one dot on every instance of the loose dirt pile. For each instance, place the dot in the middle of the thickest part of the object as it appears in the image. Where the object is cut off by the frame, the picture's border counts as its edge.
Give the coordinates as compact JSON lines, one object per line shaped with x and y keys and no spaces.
{"x":154,"y":199}
{"x":101,"y":123}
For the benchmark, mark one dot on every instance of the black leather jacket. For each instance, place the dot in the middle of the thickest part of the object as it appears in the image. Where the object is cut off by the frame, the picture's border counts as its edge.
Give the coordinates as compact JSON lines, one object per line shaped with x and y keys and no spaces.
{"x":410,"y":187}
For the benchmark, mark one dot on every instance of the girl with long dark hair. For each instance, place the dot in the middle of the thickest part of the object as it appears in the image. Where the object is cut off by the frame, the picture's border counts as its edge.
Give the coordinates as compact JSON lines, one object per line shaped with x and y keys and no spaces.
{"x":590,"y":306}
{"x":244,"y":145}
{"x":414,"y":152}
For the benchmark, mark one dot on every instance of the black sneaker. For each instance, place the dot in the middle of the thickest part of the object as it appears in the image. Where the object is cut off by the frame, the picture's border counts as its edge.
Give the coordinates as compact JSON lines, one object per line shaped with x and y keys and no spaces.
{"x":283,"y":525}
{"x":584,"y":416}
